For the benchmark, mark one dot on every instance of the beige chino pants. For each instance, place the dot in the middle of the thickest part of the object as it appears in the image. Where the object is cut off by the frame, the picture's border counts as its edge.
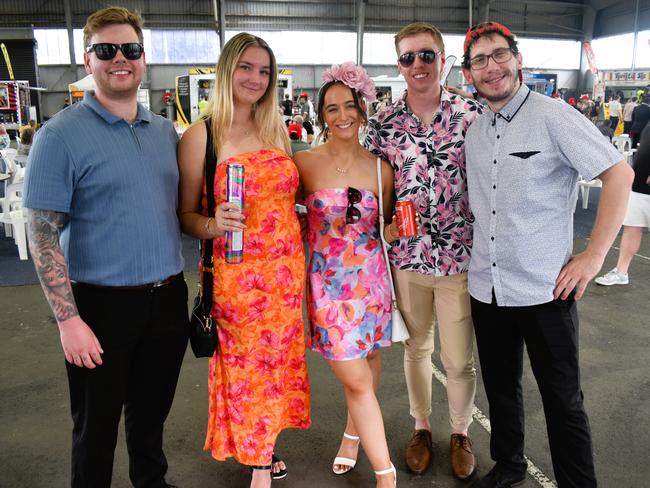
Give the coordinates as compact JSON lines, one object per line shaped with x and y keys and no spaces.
{"x":416,"y":296}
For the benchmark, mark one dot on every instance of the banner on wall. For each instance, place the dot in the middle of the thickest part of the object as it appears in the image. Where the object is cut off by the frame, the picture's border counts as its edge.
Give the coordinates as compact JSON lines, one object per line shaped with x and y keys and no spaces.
{"x":591,"y":57}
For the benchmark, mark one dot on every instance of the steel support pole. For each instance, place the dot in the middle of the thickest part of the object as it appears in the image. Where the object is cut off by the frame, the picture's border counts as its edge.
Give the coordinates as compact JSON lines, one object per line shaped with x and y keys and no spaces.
{"x":361,"y":21}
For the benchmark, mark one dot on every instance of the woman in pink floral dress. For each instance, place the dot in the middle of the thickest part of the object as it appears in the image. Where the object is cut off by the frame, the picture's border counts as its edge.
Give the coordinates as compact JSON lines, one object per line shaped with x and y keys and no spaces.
{"x":349,"y":300}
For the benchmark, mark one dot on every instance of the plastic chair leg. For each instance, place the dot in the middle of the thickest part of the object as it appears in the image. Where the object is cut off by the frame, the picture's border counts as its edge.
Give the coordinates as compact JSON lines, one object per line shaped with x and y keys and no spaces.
{"x":20,"y":238}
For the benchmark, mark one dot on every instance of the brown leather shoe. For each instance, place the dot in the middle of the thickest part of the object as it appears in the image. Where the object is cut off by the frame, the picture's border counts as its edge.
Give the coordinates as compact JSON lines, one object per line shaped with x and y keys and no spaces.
{"x":418,"y":451}
{"x":463,"y":463}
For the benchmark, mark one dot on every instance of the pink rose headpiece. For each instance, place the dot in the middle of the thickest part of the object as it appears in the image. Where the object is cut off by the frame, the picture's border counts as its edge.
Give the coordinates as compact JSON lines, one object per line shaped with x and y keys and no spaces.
{"x":353,"y":76}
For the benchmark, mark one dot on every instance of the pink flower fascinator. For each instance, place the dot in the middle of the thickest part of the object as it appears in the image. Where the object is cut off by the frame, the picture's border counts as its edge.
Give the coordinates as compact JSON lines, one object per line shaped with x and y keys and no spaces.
{"x":353,"y":76}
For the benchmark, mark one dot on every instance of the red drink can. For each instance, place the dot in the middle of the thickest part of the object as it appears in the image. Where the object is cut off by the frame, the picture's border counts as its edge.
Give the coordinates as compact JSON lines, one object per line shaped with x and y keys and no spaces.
{"x":405,"y":212}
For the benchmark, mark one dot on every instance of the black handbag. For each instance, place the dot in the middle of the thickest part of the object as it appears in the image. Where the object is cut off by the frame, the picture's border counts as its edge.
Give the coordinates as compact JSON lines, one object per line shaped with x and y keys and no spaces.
{"x":203,"y":328}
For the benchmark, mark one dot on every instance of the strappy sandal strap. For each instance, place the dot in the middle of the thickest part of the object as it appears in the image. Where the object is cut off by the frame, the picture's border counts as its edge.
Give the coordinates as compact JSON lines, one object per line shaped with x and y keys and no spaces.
{"x":350,"y":436}
{"x":279,"y":474}
{"x":390,"y":470}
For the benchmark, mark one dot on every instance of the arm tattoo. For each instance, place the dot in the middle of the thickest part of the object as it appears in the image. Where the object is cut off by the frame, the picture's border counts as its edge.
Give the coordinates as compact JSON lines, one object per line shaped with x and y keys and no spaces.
{"x":43,"y":230}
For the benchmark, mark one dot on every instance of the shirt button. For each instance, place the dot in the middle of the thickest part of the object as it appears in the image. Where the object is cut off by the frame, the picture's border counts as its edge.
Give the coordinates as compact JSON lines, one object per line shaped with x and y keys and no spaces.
{"x":495,"y":161}
{"x":498,"y":136}
{"x":492,"y":238}
{"x":494,"y":212}
{"x":494,"y":187}
{"x":494,"y":265}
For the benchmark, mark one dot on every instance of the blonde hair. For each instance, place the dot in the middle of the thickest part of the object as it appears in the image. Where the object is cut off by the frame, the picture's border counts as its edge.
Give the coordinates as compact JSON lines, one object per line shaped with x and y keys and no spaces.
{"x":112,"y":16}
{"x":220,"y":109}
{"x":418,"y":28}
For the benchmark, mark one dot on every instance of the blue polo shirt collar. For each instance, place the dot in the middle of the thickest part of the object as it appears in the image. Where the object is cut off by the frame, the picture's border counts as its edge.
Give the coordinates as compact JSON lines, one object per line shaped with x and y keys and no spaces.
{"x":143,"y":114}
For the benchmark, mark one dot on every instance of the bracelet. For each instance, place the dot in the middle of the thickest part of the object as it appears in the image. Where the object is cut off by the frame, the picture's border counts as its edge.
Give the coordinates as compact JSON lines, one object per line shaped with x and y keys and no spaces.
{"x":206,"y":227}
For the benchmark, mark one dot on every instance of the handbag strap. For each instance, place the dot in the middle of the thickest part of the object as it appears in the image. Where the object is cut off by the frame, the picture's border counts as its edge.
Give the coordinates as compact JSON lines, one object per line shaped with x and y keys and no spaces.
{"x":384,"y":244}
{"x":210,"y":168}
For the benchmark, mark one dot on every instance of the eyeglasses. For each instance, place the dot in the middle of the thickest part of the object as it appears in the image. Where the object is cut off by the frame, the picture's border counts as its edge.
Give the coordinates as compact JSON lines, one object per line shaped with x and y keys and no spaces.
{"x":500,"y":56}
{"x":353,"y":214}
{"x":427,"y":56}
{"x":106,"y":50}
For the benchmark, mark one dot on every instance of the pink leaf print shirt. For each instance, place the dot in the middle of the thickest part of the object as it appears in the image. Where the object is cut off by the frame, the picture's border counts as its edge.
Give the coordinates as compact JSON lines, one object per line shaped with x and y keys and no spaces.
{"x":429,"y":164}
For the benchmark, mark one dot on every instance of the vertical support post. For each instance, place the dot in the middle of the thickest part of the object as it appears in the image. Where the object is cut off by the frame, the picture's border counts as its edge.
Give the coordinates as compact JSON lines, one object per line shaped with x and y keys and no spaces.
{"x":361,"y":22}
{"x":68,"y":25}
{"x":219,"y":8}
{"x":636,"y":34}
{"x":471,"y":13}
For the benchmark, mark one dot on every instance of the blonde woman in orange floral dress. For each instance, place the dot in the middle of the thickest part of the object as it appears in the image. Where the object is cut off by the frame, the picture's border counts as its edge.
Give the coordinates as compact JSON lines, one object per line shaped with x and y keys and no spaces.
{"x":258,"y":382}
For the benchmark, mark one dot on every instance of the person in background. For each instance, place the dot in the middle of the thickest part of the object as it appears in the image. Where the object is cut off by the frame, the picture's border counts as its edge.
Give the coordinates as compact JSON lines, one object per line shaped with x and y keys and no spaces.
{"x":628,"y":108}
{"x":348,"y":294}
{"x":106,"y":243}
{"x":287,"y":107}
{"x":5,"y":141}
{"x":640,"y":118}
{"x":422,"y":134}
{"x":637,"y":217}
{"x":257,"y":379}
{"x":306,"y":107}
{"x":296,"y":143}
{"x":26,"y":138}
{"x":524,"y":156}
{"x":615,"y":112}
{"x":31,"y":124}
{"x":203,"y":104}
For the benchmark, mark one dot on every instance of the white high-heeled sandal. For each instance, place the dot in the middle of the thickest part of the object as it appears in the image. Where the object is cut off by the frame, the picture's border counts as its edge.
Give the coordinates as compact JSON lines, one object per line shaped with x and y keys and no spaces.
{"x":343,"y":461}
{"x":390,"y":470}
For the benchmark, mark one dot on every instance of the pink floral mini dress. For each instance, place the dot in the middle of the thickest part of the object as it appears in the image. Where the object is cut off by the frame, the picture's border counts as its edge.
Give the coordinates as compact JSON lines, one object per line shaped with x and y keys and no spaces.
{"x":348,"y":292}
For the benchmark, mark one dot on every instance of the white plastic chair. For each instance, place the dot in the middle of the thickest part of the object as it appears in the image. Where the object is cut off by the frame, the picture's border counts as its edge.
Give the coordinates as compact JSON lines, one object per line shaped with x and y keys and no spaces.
{"x":623,"y":143}
{"x":13,"y":215}
{"x":585,"y":186}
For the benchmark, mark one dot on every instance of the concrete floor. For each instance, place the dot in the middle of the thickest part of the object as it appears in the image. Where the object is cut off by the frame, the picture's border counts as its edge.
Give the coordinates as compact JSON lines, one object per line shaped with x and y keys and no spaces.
{"x":35,"y":424}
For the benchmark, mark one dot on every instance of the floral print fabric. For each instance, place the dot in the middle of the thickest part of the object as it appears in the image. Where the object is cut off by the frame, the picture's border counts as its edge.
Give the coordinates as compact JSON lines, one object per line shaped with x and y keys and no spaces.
{"x":348,"y":296}
{"x":257,"y":381}
{"x":429,"y":164}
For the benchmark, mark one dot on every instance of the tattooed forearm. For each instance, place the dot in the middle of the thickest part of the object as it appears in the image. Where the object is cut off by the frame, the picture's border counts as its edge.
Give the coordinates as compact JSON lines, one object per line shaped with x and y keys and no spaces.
{"x":43,"y":229}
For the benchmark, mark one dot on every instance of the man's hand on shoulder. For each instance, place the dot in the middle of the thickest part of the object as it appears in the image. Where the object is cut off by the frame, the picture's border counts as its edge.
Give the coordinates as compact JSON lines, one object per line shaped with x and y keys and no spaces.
{"x":576,"y":274}
{"x":80,"y":345}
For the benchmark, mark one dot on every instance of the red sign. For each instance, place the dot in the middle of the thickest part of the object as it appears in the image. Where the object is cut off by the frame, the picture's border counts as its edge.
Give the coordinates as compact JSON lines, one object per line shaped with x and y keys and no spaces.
{"x":591,"y":58}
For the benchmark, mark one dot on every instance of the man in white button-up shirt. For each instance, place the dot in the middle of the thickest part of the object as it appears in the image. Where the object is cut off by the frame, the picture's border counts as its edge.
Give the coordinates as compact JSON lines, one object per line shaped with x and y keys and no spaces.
{"x":523,"y":157}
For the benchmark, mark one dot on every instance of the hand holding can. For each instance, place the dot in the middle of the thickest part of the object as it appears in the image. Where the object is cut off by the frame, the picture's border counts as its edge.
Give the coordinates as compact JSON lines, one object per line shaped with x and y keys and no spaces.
{"x":235,"y":194}
{"x":406,"y":219}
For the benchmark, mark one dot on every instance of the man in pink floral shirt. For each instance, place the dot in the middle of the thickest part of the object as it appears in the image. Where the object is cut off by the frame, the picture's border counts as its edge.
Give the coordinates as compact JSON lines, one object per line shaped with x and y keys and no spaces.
{"x":423,"y":136}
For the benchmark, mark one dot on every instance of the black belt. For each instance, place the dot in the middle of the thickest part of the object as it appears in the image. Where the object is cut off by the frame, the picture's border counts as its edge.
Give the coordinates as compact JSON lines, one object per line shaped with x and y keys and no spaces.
{"x":145,"y":286}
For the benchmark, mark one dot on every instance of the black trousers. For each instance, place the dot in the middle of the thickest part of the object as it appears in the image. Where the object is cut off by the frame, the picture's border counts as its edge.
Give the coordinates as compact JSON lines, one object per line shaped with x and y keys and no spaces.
{"x":550,"y":332}
{"x":144,"y":336}
{"x":613,"y":122}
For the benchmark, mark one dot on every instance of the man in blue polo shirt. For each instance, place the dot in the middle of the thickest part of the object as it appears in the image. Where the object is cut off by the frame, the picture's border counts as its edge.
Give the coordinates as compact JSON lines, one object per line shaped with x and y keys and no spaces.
{"x":524,"y":156}
{"x":101,"y":192}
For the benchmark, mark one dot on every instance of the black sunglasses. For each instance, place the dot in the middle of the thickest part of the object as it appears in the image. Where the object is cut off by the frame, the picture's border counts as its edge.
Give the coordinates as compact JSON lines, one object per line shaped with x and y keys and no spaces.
{"x":106,"y":50}
{"x":427,"y":56}
{"x":353,"y":214}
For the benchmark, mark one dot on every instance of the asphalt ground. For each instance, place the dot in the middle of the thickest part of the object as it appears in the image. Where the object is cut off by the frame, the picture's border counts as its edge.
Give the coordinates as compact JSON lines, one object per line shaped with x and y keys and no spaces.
{"x":35,"y":424}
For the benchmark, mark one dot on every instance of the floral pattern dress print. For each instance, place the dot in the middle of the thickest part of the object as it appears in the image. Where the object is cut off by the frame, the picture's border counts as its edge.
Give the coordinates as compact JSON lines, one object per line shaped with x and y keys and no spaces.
{"x":348,"y":295}
{"x":257,"y":382}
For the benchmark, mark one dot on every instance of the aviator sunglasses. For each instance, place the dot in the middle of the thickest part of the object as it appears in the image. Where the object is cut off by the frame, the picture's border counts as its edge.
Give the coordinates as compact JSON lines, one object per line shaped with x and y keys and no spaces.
{"x":426,"y":56}
{"x":353,"y":214}
{"x":106,"y":50}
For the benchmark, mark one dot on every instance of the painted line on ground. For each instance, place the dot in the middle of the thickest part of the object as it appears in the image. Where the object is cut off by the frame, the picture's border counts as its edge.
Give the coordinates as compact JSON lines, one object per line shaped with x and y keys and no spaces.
{"x":637,"y":255}
{"x":480,"y":417}
{"x":618,"y":249}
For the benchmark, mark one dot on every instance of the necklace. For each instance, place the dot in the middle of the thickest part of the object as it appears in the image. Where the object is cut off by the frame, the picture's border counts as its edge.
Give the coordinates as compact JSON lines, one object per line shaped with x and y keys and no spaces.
{"x":342,"y":170}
